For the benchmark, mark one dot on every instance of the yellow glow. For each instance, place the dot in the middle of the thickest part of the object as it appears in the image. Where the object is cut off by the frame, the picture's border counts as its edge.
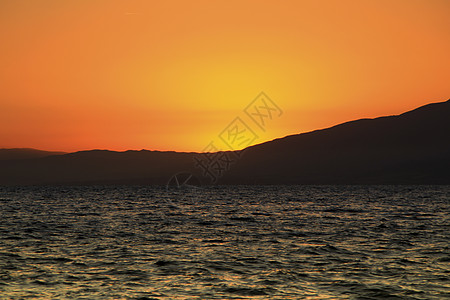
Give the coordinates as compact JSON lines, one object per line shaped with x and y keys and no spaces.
{"x":170,"y":75}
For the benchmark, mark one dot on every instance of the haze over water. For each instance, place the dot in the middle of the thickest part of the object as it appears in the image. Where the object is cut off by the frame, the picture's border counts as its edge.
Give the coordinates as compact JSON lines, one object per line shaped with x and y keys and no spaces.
{"x":235,"y":242}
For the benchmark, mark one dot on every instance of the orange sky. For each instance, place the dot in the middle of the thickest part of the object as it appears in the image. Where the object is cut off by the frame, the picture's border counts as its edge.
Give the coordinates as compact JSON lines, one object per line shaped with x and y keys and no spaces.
{"x":171,"y":75}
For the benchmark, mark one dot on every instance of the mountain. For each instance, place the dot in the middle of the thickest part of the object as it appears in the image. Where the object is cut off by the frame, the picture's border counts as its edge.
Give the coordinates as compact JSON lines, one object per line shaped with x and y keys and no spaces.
{"x":411,"y":148}
{"x":96,"y":167}
{"x":25,"y":153}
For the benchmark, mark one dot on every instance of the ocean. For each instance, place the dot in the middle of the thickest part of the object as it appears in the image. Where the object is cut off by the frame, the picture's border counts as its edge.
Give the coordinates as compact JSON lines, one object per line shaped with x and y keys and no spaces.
{"x":225,"y":242}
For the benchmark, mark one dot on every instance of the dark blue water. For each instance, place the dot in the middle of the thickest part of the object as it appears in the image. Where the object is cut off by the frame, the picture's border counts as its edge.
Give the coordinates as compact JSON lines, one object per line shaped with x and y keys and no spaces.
{"x":240,"y":242}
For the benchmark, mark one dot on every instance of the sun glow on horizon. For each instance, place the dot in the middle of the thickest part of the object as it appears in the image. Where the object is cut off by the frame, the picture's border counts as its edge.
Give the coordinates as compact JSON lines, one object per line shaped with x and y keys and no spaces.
{"x":171,"y":75}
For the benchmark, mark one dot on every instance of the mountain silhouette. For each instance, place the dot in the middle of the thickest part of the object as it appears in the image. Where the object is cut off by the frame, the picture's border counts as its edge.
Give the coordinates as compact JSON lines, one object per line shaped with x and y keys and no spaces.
{"x":25,"y":153}
{"x":411,"y":148}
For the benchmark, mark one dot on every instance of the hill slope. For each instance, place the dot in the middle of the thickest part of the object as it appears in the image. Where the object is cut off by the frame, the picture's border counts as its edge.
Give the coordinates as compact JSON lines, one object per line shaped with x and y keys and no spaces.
{"x":25,"y":153}
{"x":411,"y":148}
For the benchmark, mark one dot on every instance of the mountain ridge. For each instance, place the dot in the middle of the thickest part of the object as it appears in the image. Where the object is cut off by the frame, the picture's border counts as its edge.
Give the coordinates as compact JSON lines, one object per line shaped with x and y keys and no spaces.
{"x":409,"y":148}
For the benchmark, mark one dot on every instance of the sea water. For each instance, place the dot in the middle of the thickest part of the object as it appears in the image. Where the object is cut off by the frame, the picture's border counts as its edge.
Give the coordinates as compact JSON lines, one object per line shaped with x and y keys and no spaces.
{"x":225,"y":242}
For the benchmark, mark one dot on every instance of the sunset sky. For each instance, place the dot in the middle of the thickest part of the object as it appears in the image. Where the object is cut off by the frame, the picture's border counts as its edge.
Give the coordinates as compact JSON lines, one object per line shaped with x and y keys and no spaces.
{"x":171,"y":75}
